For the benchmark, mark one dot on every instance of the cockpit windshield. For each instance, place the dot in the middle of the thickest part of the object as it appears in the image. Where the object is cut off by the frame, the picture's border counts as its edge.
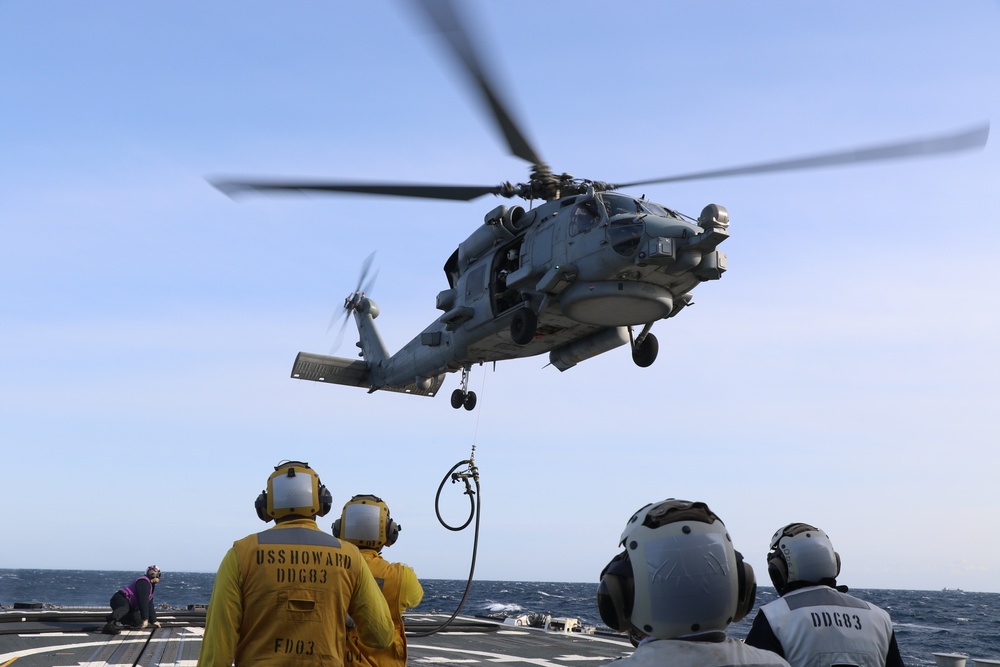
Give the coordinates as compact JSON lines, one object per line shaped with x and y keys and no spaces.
{"x":625,"y":229}
{"x":654,"y":209}
{"x":584,"y":218}
{"x":619,"y":204}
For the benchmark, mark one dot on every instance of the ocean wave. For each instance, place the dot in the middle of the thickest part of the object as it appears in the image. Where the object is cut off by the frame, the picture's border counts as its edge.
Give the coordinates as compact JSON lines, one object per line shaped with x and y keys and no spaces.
{"x":504,"y":608}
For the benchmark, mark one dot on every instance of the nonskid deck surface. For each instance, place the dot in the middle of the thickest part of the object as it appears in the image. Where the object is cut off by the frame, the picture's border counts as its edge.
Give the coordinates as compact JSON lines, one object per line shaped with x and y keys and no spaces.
{"x":72,"y":637}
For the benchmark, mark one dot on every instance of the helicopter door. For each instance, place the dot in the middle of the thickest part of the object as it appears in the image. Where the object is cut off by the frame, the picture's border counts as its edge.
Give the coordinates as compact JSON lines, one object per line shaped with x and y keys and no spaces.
{"x":506,"y":260}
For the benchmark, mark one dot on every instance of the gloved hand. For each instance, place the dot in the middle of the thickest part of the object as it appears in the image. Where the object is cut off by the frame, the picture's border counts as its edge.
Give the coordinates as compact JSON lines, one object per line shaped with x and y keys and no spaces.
{"x":145,"y":624}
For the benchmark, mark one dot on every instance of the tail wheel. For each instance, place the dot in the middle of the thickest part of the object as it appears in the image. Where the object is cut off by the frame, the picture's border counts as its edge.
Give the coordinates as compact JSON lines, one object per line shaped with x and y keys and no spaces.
{"x":523,"y":326}
{"x":461,"y":399}
{"x":644,"y":354}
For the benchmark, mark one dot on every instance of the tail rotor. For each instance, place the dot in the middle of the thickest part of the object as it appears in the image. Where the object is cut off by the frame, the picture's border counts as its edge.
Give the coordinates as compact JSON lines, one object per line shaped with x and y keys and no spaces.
{"x":366,"y":282}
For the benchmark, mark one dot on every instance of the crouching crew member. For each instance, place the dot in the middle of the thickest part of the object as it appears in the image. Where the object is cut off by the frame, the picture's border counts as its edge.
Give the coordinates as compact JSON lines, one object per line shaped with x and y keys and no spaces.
{"x":133,"y":605}
{"x":676,"y":587}
{"x":365,"y":522}
{"x":815,"y":623}
{"x":283,"y":596}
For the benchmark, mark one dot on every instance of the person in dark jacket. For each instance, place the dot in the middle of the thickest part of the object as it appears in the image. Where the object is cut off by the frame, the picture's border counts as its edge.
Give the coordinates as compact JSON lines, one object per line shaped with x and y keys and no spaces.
{"x":815,"y":623}
{"x":132,"y":606}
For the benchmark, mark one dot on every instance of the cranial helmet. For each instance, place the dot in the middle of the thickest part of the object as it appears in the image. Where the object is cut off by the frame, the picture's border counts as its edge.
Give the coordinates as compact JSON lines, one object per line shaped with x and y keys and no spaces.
{"x":365,"y":522}
{"x":800,"y":552}
{"x":152,"y":572}
{"x":293,"y":489}
{"x":678,"y":575}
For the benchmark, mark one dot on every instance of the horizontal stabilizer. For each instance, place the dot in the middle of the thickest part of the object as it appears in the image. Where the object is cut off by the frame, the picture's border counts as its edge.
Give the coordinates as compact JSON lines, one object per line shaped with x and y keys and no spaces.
{"x":324,"y":368}
{"x":352,"y":373}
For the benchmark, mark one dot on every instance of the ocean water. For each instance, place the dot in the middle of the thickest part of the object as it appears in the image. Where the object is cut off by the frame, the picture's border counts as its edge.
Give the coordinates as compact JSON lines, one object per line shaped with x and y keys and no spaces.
{"x":926,"y":622}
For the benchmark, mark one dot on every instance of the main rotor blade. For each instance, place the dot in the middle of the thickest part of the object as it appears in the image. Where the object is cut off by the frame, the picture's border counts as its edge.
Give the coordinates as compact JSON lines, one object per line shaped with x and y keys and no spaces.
{"x":444,"y":16}
{"x":966,"y":140}
{"x":452,"y":192}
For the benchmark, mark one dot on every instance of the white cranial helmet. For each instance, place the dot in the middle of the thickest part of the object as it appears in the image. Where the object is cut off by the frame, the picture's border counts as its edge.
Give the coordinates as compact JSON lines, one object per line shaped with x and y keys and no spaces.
{"x":679,"y":574}
{"x":800,"y":552}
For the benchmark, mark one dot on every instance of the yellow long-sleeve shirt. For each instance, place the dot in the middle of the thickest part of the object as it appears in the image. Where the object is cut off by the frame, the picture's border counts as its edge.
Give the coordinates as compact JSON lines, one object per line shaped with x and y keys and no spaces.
{"x":402,"y":590}
{"x":282,"y":597}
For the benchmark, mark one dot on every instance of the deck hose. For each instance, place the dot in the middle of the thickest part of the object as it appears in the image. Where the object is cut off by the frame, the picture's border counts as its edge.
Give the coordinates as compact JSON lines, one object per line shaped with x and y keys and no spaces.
{"x":475,"y":500}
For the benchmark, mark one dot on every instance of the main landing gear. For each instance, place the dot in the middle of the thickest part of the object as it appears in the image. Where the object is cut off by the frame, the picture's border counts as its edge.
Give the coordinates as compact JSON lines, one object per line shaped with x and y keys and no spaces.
{"x":523,"y":326}
{"x":644,"y":347}
{"x":463,"y":398}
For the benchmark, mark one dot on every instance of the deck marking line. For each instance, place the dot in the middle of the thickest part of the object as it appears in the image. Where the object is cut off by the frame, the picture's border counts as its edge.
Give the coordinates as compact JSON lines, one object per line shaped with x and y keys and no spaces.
{"x":69,"y":647}
{"x":582,"y":657}
{"x":491,"y":657}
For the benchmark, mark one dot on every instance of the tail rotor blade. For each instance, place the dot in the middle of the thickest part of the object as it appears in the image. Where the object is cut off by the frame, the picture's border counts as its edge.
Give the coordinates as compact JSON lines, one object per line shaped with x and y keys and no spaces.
{"x":364,"y":277}
{"x":339,"y":340}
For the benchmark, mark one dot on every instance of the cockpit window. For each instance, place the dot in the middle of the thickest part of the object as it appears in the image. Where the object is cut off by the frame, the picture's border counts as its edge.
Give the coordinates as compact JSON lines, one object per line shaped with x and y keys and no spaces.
{"x":654,"y":209}
{"x":624,"y":235}
{"x":619,"y":204}
{"x":585,"y":218}
{"x":625,"y":230}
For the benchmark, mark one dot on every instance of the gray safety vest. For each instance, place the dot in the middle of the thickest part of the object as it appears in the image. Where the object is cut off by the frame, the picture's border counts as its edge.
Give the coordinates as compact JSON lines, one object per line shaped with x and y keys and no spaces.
{"x":679,"y":653}
{"x":821,"y":627}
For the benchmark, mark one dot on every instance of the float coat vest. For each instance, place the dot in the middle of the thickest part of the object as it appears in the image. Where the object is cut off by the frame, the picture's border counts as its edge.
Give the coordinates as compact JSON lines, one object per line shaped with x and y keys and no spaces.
{"x":402,"y":591}
{"x":130,"y":593}
{"x":680,"y":653}
{"x":298,"y":584}
{"x":819,"y":626}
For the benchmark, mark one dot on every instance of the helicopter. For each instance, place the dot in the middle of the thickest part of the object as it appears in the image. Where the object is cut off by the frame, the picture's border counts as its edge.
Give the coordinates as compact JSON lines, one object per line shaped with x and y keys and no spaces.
{"x":581,"y":270}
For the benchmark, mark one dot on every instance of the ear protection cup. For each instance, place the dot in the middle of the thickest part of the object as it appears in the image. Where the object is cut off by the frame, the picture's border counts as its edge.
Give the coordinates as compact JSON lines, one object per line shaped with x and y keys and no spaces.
{"x":392,"y":532}
{"x":616,"y":593}
{"x":261,"y":506}
{"x":325,"y":499}
{"x":336,"y":528}
{"x":746,"y":593}
{"x":777,"y":570}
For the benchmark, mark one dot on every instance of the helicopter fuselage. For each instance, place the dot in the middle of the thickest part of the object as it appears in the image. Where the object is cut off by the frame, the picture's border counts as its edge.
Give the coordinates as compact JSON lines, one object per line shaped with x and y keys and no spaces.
{"x":582,"y":270}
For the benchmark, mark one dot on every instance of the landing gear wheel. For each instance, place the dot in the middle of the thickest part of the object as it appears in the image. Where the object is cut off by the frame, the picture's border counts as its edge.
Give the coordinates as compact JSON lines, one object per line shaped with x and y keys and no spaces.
{"x":523,"y":326}
{"x":644,"y":354}
{"x":462,"y":397}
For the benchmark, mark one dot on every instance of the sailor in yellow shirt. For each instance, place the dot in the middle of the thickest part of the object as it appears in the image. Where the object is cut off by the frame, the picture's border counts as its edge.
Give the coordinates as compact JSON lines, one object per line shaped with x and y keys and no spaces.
{"x":283,"y":596}
{"x":366,"y":523}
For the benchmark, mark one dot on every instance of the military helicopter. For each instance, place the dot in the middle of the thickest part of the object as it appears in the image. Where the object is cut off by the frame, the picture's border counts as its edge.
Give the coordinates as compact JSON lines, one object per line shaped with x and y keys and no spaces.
{"x":585,"y":271}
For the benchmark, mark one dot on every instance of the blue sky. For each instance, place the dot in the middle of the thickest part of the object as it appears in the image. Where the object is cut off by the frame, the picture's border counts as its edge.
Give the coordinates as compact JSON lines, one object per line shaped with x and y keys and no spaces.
{"x":843,"y":372}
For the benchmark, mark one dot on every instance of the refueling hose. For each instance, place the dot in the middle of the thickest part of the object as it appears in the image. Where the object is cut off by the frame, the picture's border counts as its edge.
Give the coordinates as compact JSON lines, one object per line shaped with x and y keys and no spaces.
{"x":144,"y":646}
{"x":475,"y":499}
